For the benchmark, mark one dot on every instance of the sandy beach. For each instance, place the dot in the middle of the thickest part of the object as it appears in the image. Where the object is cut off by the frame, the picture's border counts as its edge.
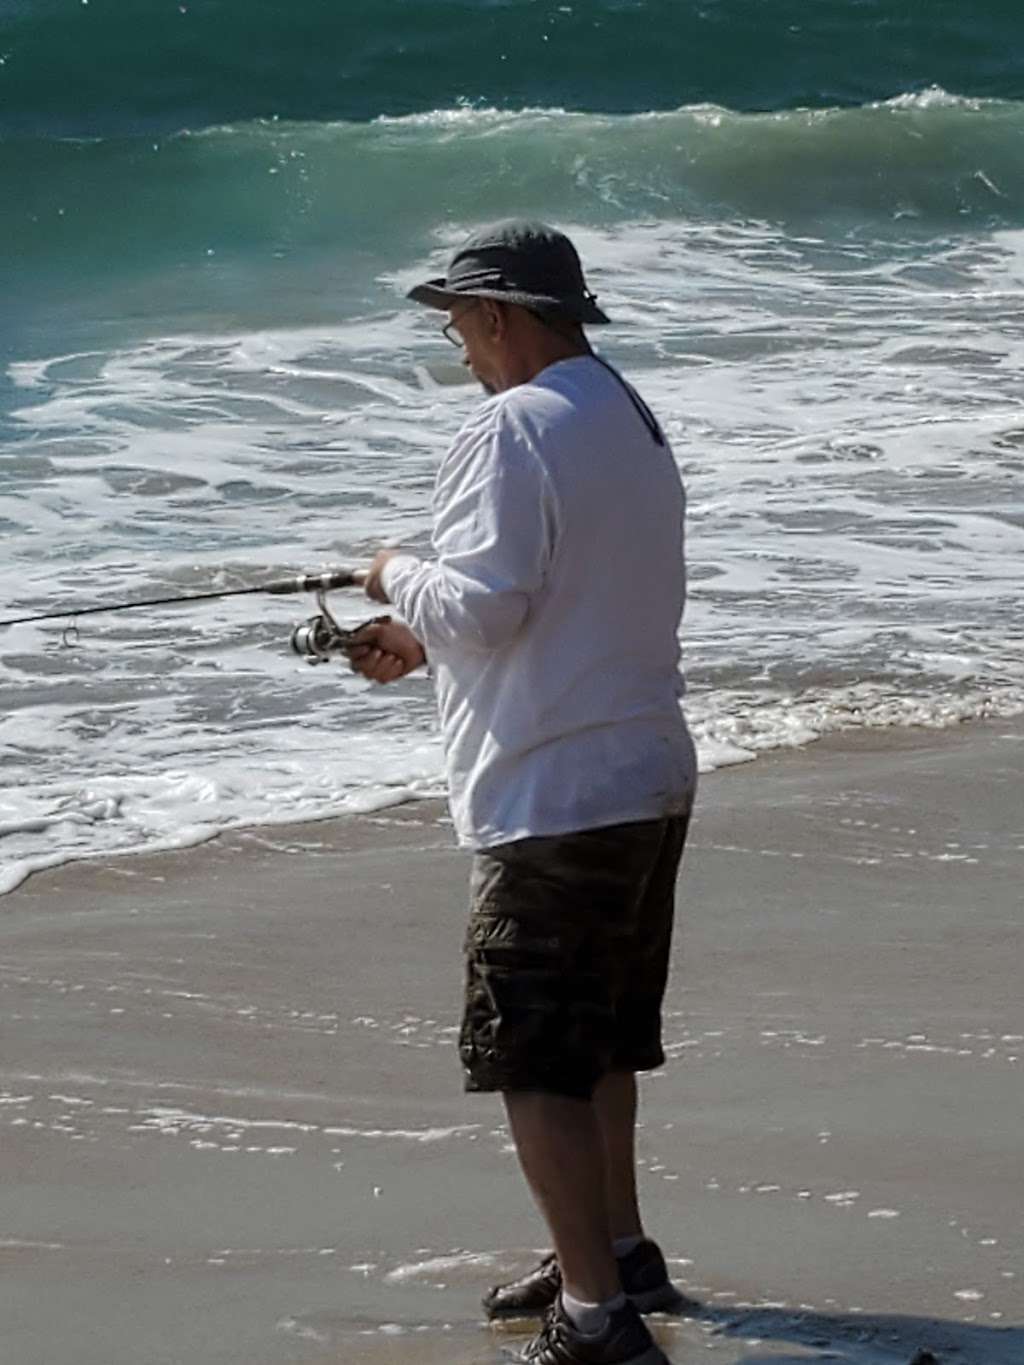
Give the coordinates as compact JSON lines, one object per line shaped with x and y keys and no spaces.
{"x":232,"y":1129}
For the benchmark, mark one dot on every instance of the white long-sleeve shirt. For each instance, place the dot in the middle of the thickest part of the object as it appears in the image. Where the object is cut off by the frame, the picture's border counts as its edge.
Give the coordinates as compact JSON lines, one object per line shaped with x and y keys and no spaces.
{"x":551,"y":612}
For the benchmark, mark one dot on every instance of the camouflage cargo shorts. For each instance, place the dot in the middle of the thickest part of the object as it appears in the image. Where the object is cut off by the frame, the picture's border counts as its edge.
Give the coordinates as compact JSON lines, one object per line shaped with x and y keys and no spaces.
{"x":567,"y":957}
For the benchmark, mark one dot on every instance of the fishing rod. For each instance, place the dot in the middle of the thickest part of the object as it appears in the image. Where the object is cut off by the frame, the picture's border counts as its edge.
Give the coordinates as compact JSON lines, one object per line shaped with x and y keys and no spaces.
{"x":315,"y":640}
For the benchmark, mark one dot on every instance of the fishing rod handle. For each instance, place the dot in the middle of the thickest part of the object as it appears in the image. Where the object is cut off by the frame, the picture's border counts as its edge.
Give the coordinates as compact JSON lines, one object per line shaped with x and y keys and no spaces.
{"x":318,"y":582}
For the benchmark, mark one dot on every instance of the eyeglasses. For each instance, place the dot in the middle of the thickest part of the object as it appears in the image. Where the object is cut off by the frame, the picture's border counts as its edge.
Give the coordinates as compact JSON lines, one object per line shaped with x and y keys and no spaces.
{"x":448,"y":331}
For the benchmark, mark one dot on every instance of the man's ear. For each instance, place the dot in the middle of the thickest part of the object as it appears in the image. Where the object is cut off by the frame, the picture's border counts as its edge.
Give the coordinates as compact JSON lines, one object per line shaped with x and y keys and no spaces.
{"x":496,"y":315}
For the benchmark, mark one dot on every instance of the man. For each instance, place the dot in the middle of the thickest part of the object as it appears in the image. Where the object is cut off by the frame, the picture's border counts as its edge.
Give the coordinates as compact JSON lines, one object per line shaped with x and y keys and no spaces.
{"x":549,"y":617}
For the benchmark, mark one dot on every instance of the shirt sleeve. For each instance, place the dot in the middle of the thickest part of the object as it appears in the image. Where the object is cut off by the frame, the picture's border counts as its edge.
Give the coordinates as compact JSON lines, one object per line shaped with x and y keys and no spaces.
{"x":494,"y":534}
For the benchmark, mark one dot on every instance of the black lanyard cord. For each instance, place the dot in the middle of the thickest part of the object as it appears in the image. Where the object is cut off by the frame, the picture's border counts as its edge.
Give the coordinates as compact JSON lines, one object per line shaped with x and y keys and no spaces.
{"x":647,"y":416}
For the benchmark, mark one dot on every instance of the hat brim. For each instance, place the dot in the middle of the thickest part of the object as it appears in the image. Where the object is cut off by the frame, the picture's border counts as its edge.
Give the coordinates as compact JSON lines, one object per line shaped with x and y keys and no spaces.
{"x":435,"y":295}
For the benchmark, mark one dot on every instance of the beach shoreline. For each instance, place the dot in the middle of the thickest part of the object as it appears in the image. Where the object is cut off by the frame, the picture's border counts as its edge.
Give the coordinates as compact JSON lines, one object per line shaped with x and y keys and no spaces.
{"x":232,"y":1121}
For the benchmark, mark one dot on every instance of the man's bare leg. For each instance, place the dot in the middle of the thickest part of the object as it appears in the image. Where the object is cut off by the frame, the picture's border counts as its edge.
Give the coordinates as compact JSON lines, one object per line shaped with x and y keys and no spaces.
{"x":615,"y":1104}
{"x":561,"y":1151}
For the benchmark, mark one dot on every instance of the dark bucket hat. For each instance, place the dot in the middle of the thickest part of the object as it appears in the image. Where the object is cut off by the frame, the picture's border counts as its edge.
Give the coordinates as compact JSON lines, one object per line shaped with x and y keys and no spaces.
{"x":517,"y":262}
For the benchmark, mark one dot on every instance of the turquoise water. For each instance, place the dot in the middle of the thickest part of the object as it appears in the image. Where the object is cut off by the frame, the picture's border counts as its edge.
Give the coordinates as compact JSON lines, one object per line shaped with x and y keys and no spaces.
{"x":110,"y":67}
{"x":174,"y":160}
{"x":806,"y":220}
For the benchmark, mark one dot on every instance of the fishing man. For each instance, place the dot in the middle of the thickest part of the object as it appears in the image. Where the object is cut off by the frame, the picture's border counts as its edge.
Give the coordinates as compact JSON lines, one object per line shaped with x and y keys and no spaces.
{"x":549,"y":615}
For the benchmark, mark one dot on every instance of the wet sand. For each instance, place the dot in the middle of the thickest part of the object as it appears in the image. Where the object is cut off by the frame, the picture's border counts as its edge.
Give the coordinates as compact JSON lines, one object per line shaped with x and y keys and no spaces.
{"x":231,"y":1124}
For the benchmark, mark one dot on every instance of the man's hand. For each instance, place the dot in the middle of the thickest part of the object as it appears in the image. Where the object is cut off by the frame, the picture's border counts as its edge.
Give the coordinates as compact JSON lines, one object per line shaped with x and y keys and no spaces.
{"x":372,"y":585}
{"x":385,"y":651}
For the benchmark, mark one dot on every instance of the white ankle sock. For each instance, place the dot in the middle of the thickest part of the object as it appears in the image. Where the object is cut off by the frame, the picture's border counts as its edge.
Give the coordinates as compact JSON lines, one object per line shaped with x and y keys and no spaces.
{"x":590,"y":1318}
{"x":622,"y":1246}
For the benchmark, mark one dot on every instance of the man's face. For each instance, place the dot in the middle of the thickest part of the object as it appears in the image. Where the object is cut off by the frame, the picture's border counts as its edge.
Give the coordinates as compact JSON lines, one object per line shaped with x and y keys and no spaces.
{"x":476,"y":325}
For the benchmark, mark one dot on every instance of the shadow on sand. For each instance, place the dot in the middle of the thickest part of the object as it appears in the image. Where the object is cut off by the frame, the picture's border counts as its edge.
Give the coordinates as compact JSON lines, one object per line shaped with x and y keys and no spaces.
{"x":866,"y":1338}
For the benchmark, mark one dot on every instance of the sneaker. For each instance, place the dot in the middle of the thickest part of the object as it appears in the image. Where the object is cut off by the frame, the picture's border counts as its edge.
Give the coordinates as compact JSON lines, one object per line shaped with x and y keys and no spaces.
{"x":624,"y":1340}
{"x":644,"y":1278}
{"x":528,"y":1297}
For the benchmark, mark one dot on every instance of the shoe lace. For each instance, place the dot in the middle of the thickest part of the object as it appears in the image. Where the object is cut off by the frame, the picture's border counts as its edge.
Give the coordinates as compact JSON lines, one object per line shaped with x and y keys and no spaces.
{"x":547,"y":1337}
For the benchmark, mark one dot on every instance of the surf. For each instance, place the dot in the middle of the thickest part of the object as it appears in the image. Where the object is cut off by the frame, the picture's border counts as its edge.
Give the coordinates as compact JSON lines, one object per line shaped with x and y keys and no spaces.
{"x":269,"y":191}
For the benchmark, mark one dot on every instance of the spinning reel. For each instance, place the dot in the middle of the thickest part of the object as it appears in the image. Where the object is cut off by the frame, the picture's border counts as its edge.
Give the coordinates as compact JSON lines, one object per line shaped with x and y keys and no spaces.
{"x":320,"y":637}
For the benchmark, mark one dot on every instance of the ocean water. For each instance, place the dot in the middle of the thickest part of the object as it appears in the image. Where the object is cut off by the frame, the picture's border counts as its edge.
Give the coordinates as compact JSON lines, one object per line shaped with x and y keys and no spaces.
{"x":807,"y":222}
